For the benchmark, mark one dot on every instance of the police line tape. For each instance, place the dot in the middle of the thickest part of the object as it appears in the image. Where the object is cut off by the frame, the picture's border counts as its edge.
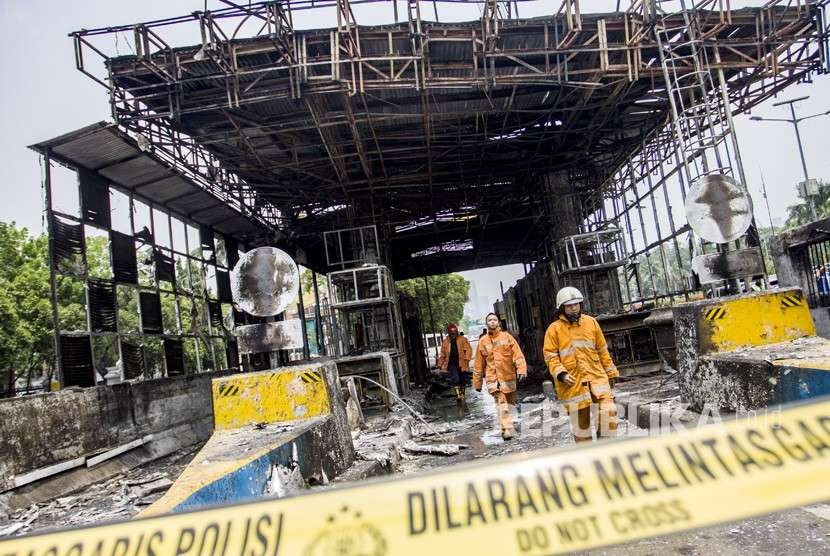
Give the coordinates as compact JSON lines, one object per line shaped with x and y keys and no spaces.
{"x":545,"y":502}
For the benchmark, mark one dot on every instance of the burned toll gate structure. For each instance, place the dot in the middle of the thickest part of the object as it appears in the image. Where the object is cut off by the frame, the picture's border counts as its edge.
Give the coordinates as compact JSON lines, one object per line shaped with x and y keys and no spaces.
{"x":567,"y":142}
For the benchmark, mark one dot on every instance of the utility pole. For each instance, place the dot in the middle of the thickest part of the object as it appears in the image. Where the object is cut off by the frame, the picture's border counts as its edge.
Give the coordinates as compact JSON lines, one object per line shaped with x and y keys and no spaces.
{"x":766,"y":200}
{"x":431,"y":316}
{"x":794,"y":120}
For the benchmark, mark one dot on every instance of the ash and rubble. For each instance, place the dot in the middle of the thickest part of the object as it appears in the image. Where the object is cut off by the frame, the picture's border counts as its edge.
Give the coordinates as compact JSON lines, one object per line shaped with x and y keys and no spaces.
{"x":119,"y":498}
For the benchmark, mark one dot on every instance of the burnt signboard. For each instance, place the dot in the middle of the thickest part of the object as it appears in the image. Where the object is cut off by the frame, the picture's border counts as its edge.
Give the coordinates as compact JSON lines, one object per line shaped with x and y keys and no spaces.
{"x":269,"y":336}
{"x":265,"y":281}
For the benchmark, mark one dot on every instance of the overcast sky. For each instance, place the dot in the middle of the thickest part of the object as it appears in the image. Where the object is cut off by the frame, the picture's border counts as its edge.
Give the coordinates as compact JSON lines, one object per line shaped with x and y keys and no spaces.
{"x":43,"y":96}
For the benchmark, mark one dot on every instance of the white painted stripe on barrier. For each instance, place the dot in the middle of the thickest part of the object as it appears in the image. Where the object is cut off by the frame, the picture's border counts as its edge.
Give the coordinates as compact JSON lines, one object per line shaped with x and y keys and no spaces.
{"x":109,"y":454}
{"x":43,"y":472}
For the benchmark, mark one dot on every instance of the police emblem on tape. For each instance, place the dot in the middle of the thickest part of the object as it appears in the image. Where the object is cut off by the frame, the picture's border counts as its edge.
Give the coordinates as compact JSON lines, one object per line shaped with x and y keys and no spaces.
{"x":347,"y":534}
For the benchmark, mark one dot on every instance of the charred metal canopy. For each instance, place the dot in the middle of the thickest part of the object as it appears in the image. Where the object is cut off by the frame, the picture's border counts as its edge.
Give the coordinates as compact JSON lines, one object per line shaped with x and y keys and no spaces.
{"x":112,"y":156}
{"x":442,"y":134}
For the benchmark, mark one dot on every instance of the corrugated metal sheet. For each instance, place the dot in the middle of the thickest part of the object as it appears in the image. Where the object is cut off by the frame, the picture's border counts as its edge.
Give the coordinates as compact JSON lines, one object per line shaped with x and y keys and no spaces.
{"x":92,"y":147}
{"x":192,"y":203}
{"x":105,"y":149}
{"x":166,"y":189}
{"x":135,"y":171}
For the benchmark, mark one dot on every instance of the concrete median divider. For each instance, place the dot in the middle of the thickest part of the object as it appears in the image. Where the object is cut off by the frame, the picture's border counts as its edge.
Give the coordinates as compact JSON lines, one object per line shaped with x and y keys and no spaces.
{"x":750,"y":351}
{"x":274,"y":432}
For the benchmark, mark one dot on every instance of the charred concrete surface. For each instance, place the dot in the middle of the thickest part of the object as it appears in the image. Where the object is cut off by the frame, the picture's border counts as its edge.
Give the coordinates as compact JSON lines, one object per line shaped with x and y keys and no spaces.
{"x":286,"y":423}
{"x":713,"y":327}
{"x":47,"y":429}
{"x":119,"y":497}
{"x":806,"y":528}
{"x":796,"y":253}
{"x":754,"y":378}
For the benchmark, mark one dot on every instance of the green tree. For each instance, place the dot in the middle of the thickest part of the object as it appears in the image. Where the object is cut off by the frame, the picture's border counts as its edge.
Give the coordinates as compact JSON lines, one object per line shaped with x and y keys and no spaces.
{"x":653,"y":266}
{"x":447,"y":293}
{"x":801,"y":214}
{"x":26,"y":341}
{"x":307,"y":285}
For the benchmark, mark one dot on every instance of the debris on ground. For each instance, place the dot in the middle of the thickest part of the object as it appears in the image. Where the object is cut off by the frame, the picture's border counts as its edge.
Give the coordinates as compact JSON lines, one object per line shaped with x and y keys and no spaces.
{"x":160,"y":484}
{"x":435,"y":449}
{"x":284,"y":481}
{"x":120,"y":497}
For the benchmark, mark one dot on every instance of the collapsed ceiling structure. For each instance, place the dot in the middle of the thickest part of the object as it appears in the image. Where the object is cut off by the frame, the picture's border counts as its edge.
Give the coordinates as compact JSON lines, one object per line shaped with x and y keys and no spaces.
{"x":448,"y":137}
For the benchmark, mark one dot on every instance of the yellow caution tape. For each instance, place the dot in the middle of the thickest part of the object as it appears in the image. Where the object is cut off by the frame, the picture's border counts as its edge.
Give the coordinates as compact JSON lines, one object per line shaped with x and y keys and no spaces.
{"x":536,"y":503}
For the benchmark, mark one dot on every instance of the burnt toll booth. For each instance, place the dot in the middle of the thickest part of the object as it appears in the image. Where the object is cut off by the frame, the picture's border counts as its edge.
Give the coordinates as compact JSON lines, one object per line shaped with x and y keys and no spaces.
{"x":564,"y":140}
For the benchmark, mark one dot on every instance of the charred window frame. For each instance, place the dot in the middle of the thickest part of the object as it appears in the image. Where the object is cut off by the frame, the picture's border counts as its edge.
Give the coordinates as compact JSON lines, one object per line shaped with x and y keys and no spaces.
{"x":146,"y":268}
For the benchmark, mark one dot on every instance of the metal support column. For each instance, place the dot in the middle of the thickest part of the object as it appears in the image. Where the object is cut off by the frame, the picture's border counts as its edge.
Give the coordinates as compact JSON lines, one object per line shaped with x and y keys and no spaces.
{"x":318,"y":324}
{"x":53,"y":292}
{"x":303,"y":330}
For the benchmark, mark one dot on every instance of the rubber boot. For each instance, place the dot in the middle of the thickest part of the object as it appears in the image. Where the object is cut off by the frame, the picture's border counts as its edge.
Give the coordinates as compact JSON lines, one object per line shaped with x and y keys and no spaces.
{"x":508,"y":434}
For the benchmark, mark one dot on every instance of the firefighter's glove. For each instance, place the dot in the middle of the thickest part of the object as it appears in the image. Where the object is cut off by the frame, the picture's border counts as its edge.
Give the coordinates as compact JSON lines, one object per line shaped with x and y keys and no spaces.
{"x":565,"y":378}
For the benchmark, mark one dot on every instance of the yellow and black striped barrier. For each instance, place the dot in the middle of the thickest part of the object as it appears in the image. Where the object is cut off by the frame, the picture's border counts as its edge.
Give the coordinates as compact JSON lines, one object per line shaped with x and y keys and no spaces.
{"x":268,"y":397}
{"x":715,"y":313}
{"x":545,"y":502}
{"x":749,"y":320}
{"x":791,"y":300}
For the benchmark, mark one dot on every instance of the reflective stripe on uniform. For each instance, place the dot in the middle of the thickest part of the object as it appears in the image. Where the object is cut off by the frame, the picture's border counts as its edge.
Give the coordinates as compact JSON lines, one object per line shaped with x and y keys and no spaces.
{"x":584,"y":344}
{"x":603,"y":348}
{"x":509,"y":383}
{"x":567,"y":351}
{"x":517,"y":362}
{"x":550,"y":355}
{"x":577,"y":399}
{"x":600,"y":388}
{"x":559,"y":369}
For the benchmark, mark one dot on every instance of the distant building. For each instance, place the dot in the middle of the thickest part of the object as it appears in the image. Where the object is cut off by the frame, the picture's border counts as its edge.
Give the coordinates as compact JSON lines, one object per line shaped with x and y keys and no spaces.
{"x":478,"y":305}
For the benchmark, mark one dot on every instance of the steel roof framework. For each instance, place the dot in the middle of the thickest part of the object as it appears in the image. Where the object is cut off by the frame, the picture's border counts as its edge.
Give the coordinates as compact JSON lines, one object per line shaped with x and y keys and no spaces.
{"x":437,"y":132}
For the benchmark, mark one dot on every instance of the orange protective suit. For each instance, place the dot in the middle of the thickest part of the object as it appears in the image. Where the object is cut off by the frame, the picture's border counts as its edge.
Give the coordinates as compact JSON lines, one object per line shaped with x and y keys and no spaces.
{"x":580,"y":349}
{"x":498,"y":363}
{"x":465,"y":353}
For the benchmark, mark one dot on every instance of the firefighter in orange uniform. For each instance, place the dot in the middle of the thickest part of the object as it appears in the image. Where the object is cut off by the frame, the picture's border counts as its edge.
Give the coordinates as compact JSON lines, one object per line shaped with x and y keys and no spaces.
{"x":454,"y":359}
{"x":500,"y":363}
{"x":577,"y":356}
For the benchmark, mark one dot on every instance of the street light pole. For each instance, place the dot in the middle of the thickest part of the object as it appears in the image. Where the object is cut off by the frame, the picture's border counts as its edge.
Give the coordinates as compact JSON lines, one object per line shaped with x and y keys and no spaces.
{"x":795,"y":121}
{"x":797,"y":136}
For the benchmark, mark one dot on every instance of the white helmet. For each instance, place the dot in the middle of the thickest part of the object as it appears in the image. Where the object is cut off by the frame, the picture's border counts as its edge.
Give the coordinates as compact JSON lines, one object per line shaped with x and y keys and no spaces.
{"x":568,"y":296}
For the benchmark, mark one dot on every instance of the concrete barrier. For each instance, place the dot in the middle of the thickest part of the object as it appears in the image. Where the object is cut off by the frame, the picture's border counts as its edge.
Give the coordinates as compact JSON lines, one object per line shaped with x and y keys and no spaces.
{"x":269,"y":397}
{"x":762,"y":376}
{"x":45,"y":430}
{"x":747,"y":352}
{"x":289,"y":421}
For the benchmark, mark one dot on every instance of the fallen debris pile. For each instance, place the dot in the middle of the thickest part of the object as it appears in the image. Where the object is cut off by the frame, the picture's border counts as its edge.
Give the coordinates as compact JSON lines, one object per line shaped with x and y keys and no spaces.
{"x":433,"y":449}
{"x":118,"y":498}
